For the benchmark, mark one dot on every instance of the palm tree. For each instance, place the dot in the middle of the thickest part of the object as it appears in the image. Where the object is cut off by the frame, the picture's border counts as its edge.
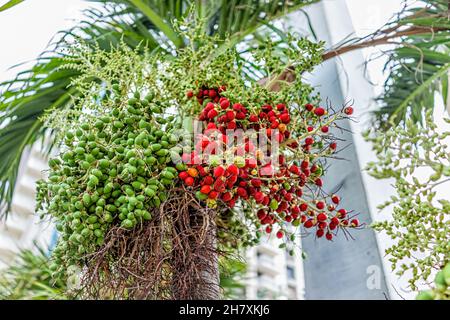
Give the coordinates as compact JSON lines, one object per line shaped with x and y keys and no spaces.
{"x":418,"y":65}
{"x":417,"y":68}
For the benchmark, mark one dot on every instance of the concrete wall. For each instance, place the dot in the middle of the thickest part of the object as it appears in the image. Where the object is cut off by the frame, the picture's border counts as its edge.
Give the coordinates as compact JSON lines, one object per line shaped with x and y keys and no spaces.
{"x":346,"y":268}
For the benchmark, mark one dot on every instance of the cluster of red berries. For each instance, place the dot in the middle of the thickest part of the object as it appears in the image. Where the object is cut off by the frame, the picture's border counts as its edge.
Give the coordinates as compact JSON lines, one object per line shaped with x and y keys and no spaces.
{"x":275,"y":190}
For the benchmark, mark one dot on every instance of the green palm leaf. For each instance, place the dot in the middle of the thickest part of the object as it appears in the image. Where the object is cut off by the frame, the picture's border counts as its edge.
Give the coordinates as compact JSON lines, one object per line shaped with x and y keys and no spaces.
{"x":10,"y":4}
{"x":418,"y":68}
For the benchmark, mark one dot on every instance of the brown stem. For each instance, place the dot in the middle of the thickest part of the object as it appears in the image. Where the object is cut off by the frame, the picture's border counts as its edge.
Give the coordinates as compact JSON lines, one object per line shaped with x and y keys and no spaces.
{"x":379,"y":41}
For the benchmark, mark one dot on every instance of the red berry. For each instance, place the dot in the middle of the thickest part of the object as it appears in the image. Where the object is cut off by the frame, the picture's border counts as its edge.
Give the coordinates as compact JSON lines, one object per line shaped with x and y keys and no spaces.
{"x":320,"y":233}
{"x":212,"y":114}
{"x":319,"y":111}
{"x":219,"y":171}
{"x":285,"y":118}
{"x":189,"y":94}
{"x":256,"y":182}
{"x":224,"y":103}
{"x":303,"y":207}
{"x":189,"y":181}
{"x":310,"y":129}
{"x":259,"y":196}
{"x":335,"y":199}
{"x":233,"y":170}
{"x":205,"y":189}
{"x":280,"y":234}
{"x":333,"y":146}
{"x":329,"y":236}
{"x":342,"y":213}
{"x":309,"y":107}
{"x":231,"y":125}
{"x":213,"y":195}
{"x":354,"y":223}
{"x":318,"y":182}
{"x":226,"y":196}
{"x":183,"y":175}
{"x":240,"y":115}
{"x":281,"y":107}
{"x":348,"y":111}
{"x":324,"y":129}
{"x":288,"y":196}
{"x":253,"y":118}
{"x":268,"y":229}
{"x":308,"y":223}
{"x":242,"y":192}
{"x":309,"y":141}
{"x":320,"y":205}
{"x":230,"y":115}
{"x":321,"y":217}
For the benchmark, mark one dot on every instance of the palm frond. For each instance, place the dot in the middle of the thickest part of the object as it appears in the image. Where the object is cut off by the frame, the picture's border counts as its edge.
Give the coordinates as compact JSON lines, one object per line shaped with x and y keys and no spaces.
{"x":418,"y":68}
{"x":29,"y":278}
{"x":10,"y":4}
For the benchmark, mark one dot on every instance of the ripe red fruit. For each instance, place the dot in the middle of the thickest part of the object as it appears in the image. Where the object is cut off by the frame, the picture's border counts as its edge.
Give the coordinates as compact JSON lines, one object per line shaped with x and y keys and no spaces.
{"x":348,"y":111}
{"x":309,"y":107}
{"x":334,"y":221}
{"x":288,"y":196}
{"x":288,"y":218}
{"x":354,"y":223}
{"x":230,"y":115}
{"x":320,"y":233}
{"x":256,"y":182}
{"x":253,"y":118}
{"x":319,"y":111}
{"x":237,"y":107}
{"x":224,"y":103}
{"x":310,"y":129}
{"x":212,"y":114}
{"x":309,"y":141}
{"x":335,"y":199}
{"x":219,"y":171}
{"x":208,"y":180}
{"x":183,"y":175}
{"x":219,"y":185}
{"x":189,"y":181}
{"x":261,"y":214}
{"x":189,"y":94}
{"x":321,"y":217}
{"x":320,"y":205}
{"x":333,"y":146}
{"x":329,"y":236}
{"x":233,"y":170}
{"x":242,"y":192}
{"x":212,"y":93}
{"x":280,"y":234}
{"x":226,"y":196}
{"x":259,"y":196}
{"x":295,"y":210}
{"x":240,"y":115}
{"x":342,"y":213}
{"x":205,"y":189}
{"x":324,"y":129}
{"x":281,"y":107}
{"x":213,"y":195}
{"x":294,"y":169}
{"x":318,"y":182}
{"x":285,"y":118}
{"x":308,"y":223}
{"x":231,"y":125}
{"x":268,"y":229}
{"x":303,"y":207}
